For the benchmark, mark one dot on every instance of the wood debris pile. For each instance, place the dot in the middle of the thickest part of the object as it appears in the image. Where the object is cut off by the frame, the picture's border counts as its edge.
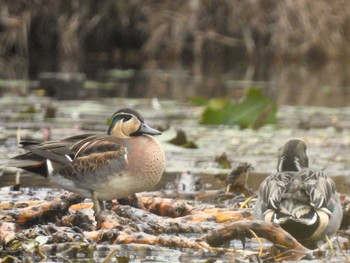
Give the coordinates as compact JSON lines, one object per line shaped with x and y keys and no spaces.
{"x":64,"y":226}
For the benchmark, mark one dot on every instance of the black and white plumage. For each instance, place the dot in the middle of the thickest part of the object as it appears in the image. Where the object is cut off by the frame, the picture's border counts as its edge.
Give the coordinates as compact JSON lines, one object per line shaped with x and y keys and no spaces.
{"x":303,"y":201}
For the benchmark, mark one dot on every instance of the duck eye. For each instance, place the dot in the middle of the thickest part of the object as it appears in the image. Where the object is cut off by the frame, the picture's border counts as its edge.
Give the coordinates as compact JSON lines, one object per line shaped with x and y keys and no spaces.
{"x":126,"y":117}
{"x":117,"y":118}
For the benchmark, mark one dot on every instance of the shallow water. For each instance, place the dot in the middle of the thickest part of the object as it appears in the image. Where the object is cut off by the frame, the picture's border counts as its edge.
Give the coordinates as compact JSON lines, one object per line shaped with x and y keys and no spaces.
{"x":327,"y":137}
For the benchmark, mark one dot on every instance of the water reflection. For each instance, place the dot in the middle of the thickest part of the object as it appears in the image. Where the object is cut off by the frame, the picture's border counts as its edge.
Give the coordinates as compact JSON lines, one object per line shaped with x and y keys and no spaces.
{"x":326,"y":85}
{"x":287,"y":84}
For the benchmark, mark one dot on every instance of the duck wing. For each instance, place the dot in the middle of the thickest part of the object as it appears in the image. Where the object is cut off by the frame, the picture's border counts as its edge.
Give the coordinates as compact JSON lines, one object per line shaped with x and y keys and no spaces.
{"x":298,"y":193}
{"x":319,"y":188}
{"x":101,"y":154}
{"x":34,"y":160}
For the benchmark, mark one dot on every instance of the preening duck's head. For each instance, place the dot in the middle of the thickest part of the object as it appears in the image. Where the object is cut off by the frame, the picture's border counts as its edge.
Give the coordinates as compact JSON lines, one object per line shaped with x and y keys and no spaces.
{"x":293,"y":157}
{"x":128,"y":123}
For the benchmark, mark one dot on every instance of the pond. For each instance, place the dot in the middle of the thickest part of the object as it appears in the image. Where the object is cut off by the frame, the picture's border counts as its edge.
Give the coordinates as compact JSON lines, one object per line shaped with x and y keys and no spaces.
{"x":66,"y":67}
{"x":299,"y":83}
{"x":326,"y":135}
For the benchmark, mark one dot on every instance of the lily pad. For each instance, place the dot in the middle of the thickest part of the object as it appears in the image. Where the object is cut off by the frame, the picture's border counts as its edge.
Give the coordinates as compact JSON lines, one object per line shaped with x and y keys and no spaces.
{"x":253,"y":111}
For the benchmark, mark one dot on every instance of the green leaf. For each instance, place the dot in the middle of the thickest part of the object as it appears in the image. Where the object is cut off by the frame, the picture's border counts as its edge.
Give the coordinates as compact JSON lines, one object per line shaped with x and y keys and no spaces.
{"x":254,"y":111}
{"x":198,"y":101}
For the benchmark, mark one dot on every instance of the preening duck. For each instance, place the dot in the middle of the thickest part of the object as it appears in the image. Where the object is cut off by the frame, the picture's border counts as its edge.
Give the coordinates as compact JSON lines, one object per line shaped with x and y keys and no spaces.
{"x":303,"y":201}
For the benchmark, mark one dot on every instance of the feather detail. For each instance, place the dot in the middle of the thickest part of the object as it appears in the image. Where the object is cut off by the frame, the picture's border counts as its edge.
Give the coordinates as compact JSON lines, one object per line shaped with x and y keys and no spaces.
{"x":109,"y":166}
{"x":85,"y":165}
{"x":287,"y":190}
{"x":303,"y":201}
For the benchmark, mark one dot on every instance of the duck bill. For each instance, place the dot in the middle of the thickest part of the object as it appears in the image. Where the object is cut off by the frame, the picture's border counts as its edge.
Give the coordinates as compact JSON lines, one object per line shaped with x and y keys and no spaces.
{"x":145,"y":129}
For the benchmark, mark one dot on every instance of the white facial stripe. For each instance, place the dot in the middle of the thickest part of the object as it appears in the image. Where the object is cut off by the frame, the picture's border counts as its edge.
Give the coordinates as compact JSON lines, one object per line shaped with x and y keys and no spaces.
{"x":297,"y":163}
{"x":280,"y":163}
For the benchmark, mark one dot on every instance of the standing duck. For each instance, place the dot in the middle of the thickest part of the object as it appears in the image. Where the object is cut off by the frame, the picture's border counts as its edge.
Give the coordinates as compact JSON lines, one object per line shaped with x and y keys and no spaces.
{"x":126,"y":160}
{"x":303,"y":201}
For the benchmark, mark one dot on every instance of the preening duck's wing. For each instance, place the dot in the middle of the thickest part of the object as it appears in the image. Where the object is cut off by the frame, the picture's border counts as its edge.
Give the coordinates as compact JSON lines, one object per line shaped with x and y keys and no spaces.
{"x":319,"y":187}
{"x":273,"y":188}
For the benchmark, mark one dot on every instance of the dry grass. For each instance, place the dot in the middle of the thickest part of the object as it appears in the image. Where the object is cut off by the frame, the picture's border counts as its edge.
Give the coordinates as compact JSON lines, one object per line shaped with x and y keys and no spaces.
{"x":312,"y":27}
{"x":289,"y":29}
{"x":171,"y":29}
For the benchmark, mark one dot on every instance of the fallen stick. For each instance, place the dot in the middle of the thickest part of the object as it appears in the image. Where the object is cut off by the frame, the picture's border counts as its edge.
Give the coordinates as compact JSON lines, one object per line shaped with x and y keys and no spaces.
{"x":166,"y":207}
{"x":219,"y":215}
{"x":183,"y":211}
{"x":247,"y":228}
{"x":269,"y":231}
{"x":151,"y":223}
{"x":22,"y":204}
{"x":162,"y":240}
{"x":31,"y":214}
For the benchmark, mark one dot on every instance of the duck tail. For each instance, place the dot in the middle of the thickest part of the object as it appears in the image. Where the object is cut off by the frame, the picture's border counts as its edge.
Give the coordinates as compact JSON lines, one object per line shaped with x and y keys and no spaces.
{"x":29,"y":162}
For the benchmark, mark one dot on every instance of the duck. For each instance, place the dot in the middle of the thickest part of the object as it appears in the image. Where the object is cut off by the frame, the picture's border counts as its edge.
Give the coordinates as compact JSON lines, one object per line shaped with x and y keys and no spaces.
{"x":303,"y":201}
{"x":125,"y":161}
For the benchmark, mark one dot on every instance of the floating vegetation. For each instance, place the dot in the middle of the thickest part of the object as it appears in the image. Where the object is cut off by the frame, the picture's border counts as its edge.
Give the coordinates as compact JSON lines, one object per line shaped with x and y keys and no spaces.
{"x":253,"y":111}
{"x":181,"y":140}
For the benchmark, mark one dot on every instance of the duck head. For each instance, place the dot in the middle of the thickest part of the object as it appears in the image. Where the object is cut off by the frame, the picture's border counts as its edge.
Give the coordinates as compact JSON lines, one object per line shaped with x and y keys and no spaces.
{"x":293,"y":157}
{"x":129,"y":123}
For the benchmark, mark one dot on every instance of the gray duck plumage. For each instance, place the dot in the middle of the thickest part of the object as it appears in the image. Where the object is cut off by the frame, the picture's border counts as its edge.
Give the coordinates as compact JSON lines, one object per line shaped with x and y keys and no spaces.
{"x":303,"y":201}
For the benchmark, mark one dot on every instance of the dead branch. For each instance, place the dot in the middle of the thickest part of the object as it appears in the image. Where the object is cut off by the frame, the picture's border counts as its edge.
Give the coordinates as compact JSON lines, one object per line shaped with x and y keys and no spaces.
{"x":12,"y":205}
{"x":157,"y":225}
{"x":269,"y":231}
{"x":30,"y":214}
{"x":166,"y":207}
{"x":162,"y":240}
{"x":244,"y":228}
{"x":151,"y":223}
{"x":219,"y":215}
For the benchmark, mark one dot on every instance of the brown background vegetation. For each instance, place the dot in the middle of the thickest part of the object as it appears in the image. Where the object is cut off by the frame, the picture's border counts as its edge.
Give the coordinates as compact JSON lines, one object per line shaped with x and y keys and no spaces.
{"x":210,"y":36}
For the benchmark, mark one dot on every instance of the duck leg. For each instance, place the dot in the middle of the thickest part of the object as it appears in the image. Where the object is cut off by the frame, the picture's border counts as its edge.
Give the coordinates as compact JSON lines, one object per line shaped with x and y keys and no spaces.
{"x":98,"y":205}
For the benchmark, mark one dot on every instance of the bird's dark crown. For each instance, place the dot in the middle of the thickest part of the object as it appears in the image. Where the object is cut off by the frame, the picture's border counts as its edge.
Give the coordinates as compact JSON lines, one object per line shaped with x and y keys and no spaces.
{"x":129,"y":111}
{"x":293,"y":157}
